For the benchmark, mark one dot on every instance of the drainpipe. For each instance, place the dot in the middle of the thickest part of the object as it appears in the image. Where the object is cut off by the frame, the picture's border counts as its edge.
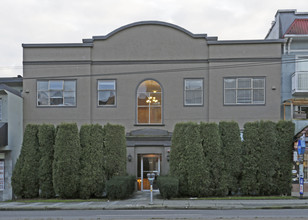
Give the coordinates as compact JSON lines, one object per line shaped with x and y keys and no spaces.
{"x":291,"y":110}
{"x":289,"y":45}
{"x":285,"y":46}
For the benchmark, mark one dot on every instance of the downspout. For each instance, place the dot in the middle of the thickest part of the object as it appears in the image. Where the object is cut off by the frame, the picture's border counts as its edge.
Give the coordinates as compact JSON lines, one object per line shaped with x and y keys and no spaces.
{"x":285,"y":46}
{"x":289,"y":45}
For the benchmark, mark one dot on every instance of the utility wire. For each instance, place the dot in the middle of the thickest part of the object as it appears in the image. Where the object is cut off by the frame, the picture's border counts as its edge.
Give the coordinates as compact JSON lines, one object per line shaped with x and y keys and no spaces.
{"x":209,"y":67}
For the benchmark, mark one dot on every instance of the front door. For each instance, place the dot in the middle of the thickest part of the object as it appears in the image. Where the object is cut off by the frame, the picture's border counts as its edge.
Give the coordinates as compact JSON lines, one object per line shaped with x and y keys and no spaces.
{"x":149,"y":163}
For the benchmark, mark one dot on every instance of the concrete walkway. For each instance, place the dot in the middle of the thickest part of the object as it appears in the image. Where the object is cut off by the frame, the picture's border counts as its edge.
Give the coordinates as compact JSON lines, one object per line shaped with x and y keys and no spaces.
{"x":141,"y":200}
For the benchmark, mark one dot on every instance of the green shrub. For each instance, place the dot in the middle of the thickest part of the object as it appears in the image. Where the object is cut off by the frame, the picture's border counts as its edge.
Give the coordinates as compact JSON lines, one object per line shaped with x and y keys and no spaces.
{"x":114,"y":150}
{"x":268,"y":161}
{"x":187,"y":160}
{"x":46,"y":137}
{"x":213,"y":160}
{"x":66,"y":165}
{"x":120,"y":187}
{"x":92,"y":176}
{"x":231,"y":151}
{"x":285,"y":133}
{"x":168,"y":186}
{"x":251,"y":156}
{"x":25,"y":179}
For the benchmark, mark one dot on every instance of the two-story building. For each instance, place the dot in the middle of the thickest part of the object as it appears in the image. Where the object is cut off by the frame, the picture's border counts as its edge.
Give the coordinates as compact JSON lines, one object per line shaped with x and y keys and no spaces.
{"x":148,"y":76}
{"x":11,"y":131}
{"x":292,"y":26}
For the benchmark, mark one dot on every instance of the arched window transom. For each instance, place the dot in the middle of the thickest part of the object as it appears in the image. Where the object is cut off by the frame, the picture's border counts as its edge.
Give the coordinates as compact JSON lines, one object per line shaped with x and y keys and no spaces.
{"x":149,"y":103}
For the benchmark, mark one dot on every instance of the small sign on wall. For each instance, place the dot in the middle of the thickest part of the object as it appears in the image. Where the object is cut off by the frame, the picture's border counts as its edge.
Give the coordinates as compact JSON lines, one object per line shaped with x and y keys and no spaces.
{"x":1,"y":175}
{"x":295,"y":156}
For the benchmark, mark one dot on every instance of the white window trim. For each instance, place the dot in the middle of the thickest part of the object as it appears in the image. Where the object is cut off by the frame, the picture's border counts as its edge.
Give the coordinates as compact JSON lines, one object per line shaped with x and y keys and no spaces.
{"x":202,"y":92}
{"x":298,"y":58}
{"x":236,"y":90}
{"x":115,"y":92}
{"x":49,"y":105}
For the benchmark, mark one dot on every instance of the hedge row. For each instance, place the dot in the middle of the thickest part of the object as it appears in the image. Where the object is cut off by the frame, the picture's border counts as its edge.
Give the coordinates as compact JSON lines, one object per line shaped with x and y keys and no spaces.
{"x":67,"y":163}
{"x":120,"y":187}
{"x":211,"y":160}
{"x":168,"y":186}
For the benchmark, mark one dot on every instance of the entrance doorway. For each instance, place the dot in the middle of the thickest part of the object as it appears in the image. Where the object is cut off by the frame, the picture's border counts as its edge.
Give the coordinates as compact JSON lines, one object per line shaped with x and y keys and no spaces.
{"x":148,"y":163}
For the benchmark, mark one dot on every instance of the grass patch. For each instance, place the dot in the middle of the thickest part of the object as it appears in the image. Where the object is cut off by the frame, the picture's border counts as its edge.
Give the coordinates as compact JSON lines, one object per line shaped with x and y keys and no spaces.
{"x":57,"y":200}
{"x":240,"y":198}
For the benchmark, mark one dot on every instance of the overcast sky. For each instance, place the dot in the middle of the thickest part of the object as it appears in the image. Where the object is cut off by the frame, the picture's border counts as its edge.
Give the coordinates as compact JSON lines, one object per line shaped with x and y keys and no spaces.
{"x":70,"y":21}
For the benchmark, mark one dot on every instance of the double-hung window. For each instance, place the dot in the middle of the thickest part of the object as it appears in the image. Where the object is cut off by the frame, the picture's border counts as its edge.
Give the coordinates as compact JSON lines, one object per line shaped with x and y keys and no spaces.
{"x":193,"y":92}
{"x":56,"y":93}
{"x":106,"y":92}
{"x":244,"y":91}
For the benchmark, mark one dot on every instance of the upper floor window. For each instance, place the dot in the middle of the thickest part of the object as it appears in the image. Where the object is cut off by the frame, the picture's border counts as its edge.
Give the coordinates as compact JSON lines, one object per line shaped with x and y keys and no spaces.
{"x":56,"y":93}
{"x":193,"y":92}
{"x":302,"y":64}
{"x":244,"y":91}
{"x":0,"y":109}
{"x":106,"y":92}
{"x":149,"y":103}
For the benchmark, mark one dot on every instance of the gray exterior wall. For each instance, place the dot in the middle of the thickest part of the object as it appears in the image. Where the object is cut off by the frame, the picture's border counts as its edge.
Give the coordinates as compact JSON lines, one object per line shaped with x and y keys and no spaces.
{"x":244,"y":60}
{"x":150,"y":50}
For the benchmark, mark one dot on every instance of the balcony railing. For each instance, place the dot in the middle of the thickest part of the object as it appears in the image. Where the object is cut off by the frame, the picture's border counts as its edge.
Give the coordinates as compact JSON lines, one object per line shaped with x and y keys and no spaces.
{"x":299,"y":83}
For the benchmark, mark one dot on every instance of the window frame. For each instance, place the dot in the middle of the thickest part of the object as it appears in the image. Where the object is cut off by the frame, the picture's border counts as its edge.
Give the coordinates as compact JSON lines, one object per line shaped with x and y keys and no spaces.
{"x":49,"y":96}
{"x":161,"y":106}
{"x":184,"y":93}
{"x":115,"y":91}
{"x":252,"y":88}
{"x":298,"y":58}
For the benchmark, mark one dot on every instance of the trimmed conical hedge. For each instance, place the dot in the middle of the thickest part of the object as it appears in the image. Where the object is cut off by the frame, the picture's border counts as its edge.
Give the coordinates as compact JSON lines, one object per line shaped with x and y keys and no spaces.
{"x":114,"y":150}
{"x":268,"y":161}
{"x":214,"y":163}
{"x":187,"y":160}
{"x":92,"y":177}
{"x":25,"y":179}
{"x":285,"y":133}
{"x":66,"y":165}
{"x":251,"y":156}
{"x":231,"y":151}
{"x":46,"y":137}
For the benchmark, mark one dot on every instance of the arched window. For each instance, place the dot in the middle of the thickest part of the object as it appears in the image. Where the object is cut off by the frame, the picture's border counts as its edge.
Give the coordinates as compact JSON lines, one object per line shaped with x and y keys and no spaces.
{"x":149,"y":103}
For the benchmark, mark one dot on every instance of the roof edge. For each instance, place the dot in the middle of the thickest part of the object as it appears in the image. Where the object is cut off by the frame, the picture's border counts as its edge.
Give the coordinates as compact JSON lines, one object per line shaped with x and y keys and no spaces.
{"x":247,"y":41}
{"x":140,"y":23}
{"x":57,"y":45}
{"x":10,"y":89}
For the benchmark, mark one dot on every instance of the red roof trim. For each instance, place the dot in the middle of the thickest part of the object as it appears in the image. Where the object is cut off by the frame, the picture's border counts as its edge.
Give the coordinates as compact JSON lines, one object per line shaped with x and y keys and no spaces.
{"x":299,"y":26}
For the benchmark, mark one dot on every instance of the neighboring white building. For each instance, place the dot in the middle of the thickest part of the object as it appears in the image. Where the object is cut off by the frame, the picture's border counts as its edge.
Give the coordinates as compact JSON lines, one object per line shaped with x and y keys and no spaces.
{"x":11,"y":131}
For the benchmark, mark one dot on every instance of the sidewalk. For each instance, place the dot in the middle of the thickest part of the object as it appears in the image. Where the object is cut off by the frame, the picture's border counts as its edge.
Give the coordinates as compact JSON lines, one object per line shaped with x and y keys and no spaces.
{"x":141,"y":201}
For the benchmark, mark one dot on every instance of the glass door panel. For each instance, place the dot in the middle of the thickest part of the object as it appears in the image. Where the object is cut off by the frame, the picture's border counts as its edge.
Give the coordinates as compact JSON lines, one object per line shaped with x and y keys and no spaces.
{"x":149,"y":164}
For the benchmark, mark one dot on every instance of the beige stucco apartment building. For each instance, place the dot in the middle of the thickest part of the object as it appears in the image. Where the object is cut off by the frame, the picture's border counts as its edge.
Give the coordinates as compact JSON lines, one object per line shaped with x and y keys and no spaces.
{"x":148,"y":76}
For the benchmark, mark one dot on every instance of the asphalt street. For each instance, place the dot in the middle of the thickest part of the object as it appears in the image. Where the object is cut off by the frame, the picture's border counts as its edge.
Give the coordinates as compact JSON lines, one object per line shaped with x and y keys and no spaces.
{"x":154,"y":214}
